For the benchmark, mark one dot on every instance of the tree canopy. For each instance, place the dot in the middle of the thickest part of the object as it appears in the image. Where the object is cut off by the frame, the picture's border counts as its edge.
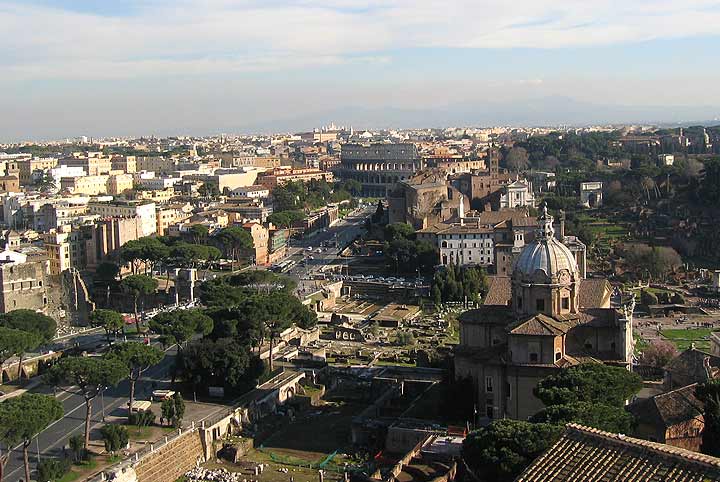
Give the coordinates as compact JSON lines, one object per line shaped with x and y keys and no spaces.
{"x":110,"y":321}
{"x":31,"y":322}
{"x":137,"y":357}
{"x":179,"y":326}
{"x":709,"y":394}
{"x":139,"y":284}
{"x":502,"y":450}
{"x":22,"y":418}
{"x":219,"y":363}
{"x":597,"y":415}
{"x":90,"y":375}
{"x":15,"y":342}
{"x":589,"y":382}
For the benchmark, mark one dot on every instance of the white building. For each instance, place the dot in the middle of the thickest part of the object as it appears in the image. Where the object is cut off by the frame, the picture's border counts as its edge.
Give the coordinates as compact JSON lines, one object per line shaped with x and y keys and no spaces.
{"x":158,"y":183}
{"x":591,"y":194}
{"x":250,"y":192}
{"x":463,"y":244}
{"x":517,"y":194}
{"x":143,"y":210}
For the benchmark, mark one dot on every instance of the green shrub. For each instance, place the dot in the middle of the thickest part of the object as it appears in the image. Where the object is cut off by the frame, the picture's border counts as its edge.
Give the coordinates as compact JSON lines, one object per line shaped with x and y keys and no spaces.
{"x":142,"y":418}
{"x":647,"y":298}
{"x":51,"y":470}
{"x":678,"y":299}
{"x":115,"y":437}
{"x":77,"y":447}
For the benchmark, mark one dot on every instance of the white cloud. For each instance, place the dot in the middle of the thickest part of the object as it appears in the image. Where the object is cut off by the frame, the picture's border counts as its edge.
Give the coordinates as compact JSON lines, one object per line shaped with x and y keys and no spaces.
{"x":172,"y":37}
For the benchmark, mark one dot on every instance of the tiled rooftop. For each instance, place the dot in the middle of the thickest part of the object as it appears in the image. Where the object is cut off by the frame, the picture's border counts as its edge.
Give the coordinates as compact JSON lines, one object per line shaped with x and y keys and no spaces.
{"x":589,"y":455}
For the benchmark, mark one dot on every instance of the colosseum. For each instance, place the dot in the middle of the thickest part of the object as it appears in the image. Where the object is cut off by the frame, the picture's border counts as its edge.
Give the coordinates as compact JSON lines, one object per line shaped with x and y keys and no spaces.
{"x":379,"y":166}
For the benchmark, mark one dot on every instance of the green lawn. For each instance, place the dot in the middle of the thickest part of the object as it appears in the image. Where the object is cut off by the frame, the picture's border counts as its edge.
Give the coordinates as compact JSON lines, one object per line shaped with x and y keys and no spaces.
{"x":683,"y":338}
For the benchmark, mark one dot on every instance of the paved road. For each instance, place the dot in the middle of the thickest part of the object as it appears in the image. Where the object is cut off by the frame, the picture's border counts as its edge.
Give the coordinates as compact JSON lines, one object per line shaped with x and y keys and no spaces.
{"x":344,"y":231}
{"x":52,"y":440}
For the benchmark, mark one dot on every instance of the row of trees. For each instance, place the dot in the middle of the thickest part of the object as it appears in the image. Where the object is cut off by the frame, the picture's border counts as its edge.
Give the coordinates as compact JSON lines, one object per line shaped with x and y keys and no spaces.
{"x":315,"y":194}
{"x":23,"y":418}
{"x":459,"y":283}
{"x":589,"y":394}
{"x":174,"y":252}
{"x":405,"y":253}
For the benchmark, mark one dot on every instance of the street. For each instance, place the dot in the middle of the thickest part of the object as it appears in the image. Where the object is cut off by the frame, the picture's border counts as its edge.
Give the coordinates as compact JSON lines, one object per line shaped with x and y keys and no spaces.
{"x":343,"y":231}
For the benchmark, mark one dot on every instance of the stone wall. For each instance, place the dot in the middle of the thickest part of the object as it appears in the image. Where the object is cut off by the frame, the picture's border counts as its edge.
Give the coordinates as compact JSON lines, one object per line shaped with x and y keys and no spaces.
{"x":168,"y":462}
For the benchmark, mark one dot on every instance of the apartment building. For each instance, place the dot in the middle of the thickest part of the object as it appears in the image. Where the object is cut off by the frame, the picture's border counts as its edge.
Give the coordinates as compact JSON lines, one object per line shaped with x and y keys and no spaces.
{"x":9,"y":184}
{"x":154,"y":163}
{"x":127,"y":164}
{"x":26,"y":167}
{"x":88,"y":185}
{"x":169,"y":216}
{"x":143,"y":210}
{"x":93,"y":163}
{"x":280,"y":177}
{"x":119,"y":183}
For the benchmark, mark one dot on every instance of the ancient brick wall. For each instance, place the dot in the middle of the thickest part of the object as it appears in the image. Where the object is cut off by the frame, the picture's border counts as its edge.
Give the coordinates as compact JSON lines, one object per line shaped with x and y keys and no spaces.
{"x":170,"y":461}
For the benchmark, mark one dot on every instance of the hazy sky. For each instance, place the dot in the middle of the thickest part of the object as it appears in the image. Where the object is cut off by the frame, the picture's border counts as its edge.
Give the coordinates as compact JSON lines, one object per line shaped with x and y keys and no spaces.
{"x":129,"y":67}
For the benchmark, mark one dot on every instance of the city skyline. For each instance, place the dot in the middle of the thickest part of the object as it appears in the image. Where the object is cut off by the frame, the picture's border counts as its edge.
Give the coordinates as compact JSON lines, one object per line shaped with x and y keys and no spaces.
{"x":205,"y":67}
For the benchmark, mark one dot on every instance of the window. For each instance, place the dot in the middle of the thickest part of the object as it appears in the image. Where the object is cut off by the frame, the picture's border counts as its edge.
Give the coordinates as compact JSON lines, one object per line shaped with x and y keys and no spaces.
{"x":508,"y":391}
{"x":488,"y":384}
{"x":533,"y":351}
{"x":588,"y":345}
{"x":519,"y":302}
{"x":489,"y":410}
{"x":540,"y":305}
{"x":558,"y":355}
{"x":565,"y":303}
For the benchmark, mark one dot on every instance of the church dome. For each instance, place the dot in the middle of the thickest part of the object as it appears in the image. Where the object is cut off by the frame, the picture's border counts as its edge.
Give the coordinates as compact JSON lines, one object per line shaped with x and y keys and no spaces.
{"x":545,"y":253}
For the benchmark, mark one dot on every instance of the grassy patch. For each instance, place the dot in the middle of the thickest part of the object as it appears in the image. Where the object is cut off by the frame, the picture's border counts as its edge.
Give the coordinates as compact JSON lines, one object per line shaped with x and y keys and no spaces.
{"x":87,"y":464}
{"x":69,"y":477}
{"x":684,"y":338}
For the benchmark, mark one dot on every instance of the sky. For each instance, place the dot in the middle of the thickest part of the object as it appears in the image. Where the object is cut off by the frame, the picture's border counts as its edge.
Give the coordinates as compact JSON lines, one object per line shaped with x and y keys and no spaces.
{"x":163,"y":67}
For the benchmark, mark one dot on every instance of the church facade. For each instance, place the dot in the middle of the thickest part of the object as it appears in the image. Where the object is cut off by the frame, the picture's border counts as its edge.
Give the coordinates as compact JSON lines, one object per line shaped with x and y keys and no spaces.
{"x":545,"y":317}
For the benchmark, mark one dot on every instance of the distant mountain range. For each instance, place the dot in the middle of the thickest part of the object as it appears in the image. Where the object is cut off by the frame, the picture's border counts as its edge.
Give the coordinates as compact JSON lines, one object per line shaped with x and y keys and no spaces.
{"x":547,"y":111}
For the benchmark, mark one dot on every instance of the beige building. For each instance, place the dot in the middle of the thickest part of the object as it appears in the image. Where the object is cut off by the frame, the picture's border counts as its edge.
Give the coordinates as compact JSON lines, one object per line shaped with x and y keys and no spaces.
{"x":94,"y":163}
{"x":169,"y":216}
{"x":61,"y":246}
{"x":280,"y":177}
{"x":227,"y":181}
{"x":160,"y":197}
{"x":89,"y":185}
{"x":9,"y":184}
{"x":119,"y":183}
{"x":145,"y":211}
{"x":126,"y":164}
{"x":156,"y":164}
{"x":27,"y":166}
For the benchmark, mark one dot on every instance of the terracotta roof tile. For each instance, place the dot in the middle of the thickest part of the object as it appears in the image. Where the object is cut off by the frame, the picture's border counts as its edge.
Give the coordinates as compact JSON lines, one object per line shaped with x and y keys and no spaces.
{"x":499,"y":292}
{"x":587,"y":454}
{"x":539,"y":325}
{"x":669,"y":408}
{"x":595,"y":293}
